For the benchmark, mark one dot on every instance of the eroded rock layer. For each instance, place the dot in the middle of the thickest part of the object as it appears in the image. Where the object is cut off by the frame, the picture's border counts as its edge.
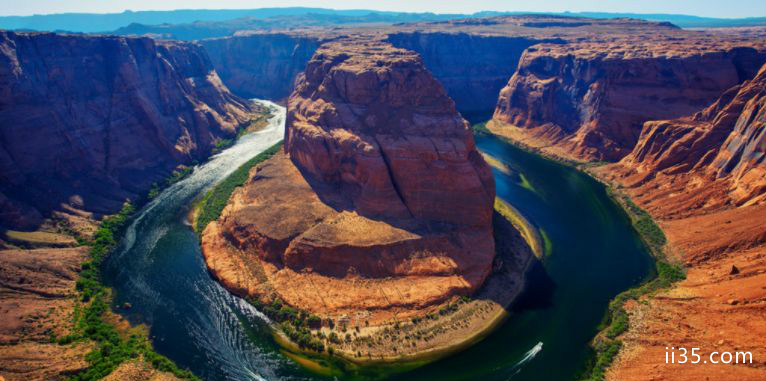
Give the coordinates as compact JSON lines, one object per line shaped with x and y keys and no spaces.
{"x":725,"y":143}
{"x":702,"y":178}
{"x":89,"y":121}
{"x":381,"y":205}
{"x":589,"y":100}
{"x":37,"y":302}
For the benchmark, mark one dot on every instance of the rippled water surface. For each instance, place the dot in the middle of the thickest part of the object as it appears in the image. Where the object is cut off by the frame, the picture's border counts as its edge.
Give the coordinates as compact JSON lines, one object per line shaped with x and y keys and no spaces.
{"x":593,"y":255}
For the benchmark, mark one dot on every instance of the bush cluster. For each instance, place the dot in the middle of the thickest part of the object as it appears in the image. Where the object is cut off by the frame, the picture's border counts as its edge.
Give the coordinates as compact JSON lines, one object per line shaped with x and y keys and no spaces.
{"x":295,"y":323}
{"x":112,"y":348}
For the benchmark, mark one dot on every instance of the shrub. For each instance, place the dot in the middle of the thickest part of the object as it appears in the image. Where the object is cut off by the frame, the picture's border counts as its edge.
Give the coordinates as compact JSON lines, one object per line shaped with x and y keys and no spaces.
{"x":216,"y":199}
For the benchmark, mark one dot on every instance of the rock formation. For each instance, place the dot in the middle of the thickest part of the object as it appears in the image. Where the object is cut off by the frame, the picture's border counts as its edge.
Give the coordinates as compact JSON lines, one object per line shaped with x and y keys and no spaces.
{"x":370,"y":117}
{"x":703,"y":178}
{"x":590,"y":100}
{"x":37,"y":299}
{"x":724,"y":144}
{"x":88,"y":121}
{"x":381,"y":206}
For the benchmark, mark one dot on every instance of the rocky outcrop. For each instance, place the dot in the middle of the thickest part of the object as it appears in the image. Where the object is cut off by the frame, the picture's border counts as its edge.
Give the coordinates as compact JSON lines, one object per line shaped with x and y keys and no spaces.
{"x":383,"y":206}
{"x":725,"y":143}
{"x":261,"y":65}
{"x":588,"y":101}
{"x":371,"y":118}
{"x":89,"y":121}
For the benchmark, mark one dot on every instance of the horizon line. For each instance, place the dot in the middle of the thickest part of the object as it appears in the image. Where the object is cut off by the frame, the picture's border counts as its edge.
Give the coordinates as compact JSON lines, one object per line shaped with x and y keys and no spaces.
{"x":382,"y":11}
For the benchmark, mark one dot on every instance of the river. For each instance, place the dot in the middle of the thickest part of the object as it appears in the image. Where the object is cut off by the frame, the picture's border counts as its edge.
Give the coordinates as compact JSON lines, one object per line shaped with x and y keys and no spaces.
{"x":592,"y":253}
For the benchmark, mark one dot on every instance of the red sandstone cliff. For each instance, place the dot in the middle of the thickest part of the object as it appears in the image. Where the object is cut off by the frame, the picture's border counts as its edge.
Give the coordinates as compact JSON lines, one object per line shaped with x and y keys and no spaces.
{"x":588,"y":101}
{"x":725,"y":144}
{"x":370,"y":118}
{"x":88,"y":121}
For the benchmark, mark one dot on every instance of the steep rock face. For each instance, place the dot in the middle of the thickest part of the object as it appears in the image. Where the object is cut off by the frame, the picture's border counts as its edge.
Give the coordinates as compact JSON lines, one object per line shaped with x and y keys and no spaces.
{"x":383,"y":205}
{"x":724,"y":142}
{"x":703,"y":179}
{"x":90,"y":121}
{"x":472,"y":68}
{"x":591,"y":100}
{"x":372,"y":119}
{"x":261,"y":65}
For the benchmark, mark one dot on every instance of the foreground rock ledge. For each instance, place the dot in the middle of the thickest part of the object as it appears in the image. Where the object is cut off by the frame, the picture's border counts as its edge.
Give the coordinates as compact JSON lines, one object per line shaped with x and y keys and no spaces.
{"x":379,"y":213}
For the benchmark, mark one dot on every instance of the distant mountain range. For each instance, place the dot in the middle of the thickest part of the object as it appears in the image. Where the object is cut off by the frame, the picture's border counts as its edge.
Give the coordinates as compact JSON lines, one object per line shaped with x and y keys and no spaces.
{"x":195,"y":24}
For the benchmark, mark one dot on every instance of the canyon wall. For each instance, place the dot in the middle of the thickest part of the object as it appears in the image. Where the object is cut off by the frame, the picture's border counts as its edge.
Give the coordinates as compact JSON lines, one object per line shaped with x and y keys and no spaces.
{"x":472,"y":68}
{"x":590,"y":100}
{"x":89,"y":121}
{"x":261,"y":65}
{"x":703,"y":179}
{"x":724,"y":144}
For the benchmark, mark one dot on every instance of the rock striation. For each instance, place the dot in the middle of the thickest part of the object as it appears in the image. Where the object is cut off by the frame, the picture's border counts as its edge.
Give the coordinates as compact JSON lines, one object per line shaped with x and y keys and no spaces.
{"x":371,"y":118}
{"x":588,"y":101}
{"x":380,"y":206}
{"x":724,"y":144}
{"x":88,"y":121}
{"x":702,"y":177}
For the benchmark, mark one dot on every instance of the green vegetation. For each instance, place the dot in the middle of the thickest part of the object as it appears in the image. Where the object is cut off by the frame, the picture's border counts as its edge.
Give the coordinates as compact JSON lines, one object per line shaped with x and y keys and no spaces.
{"x":606,"y":352}
{"x":616,"y":321}
{"x":215,"y":200}
{"x":643,"y":222}
{"x":295,"y":323}
{"x":547,"y":243}
{"x":253,"y":125}
{"x":524,"y":183}
{"x":90,"y":318}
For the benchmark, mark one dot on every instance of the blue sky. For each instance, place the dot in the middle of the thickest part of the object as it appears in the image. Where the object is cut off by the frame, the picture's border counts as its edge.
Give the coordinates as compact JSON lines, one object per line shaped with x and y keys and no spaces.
{"x":710,"y":8}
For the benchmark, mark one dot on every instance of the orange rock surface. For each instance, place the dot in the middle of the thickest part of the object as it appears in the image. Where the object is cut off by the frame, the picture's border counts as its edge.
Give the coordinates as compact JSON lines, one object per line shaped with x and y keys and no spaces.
{"x":702,"y":178}
{"x":588,"y":100}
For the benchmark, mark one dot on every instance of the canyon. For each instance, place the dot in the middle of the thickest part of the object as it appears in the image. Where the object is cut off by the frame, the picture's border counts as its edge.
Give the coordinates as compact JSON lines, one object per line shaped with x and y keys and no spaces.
{"x":89,"y":122}
{"x":355,"y":221}
{"x":379,"y":212}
